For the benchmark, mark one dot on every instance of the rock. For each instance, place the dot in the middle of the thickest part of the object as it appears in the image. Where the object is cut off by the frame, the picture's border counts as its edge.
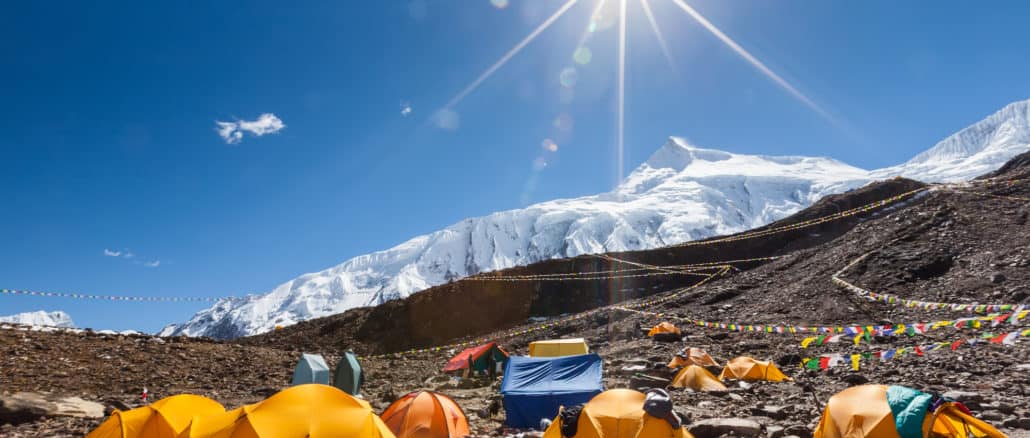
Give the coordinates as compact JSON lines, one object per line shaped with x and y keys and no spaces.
{"x":965,"y":397}
{"x":1018,"y":423}
{"x":264,"y":392}
{"x":736,"y":397}
{"x":991,"y":416}
{"x":716,"y":427}
{"x":78,"y":408}
{"x":774,"y":431}
{"x":644,"y":381}
{"x":997,"y":278}
{"x":855,"y":379}
{"x":24,"y":407}
{"x":774,"y":412}
{"x":798,"y":430}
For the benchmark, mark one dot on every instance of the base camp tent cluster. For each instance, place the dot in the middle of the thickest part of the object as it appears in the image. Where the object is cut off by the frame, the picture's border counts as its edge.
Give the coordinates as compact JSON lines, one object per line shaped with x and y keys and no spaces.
{"x":553,"y":384}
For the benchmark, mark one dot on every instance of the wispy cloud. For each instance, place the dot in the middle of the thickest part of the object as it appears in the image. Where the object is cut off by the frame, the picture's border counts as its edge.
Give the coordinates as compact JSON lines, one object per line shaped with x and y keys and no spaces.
{"x":111,"y":253}
{"x":152,"y":264}
{"x":232,"y":132}
{"x":127,"y":254}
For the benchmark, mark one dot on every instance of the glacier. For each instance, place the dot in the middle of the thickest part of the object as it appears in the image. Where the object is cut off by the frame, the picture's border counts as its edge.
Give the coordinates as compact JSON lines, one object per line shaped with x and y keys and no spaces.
{"x":41,"y":318}
{"x":681,"y":193}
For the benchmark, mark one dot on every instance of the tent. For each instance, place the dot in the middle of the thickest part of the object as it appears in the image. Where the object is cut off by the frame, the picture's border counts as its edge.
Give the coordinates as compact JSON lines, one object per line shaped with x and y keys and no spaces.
{"x":165,"y":418}
{"x":312,"y":410}
{"x":664,"y":328}
{"x":311,"y":369}
{"x":618,"y":413}
{"x":482,"y":356}
{"x":348,"y":376}
{"x":692,"y":356}
{"x":558,"y":347}
{"x":698,"y":379}
{"x":880,"y":411}
{"x":746,"y":368}
{"x":426,"y":414}
{"x":534,"y":387}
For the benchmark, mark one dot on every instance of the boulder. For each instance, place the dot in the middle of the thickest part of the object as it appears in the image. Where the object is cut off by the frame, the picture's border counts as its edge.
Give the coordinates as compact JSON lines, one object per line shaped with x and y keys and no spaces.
{"x":24,"y":407}
{"x":716,"y":427}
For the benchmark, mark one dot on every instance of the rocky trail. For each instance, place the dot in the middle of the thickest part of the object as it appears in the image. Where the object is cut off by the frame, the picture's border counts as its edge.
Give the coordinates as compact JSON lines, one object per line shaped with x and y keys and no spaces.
{"x":968,"y":244}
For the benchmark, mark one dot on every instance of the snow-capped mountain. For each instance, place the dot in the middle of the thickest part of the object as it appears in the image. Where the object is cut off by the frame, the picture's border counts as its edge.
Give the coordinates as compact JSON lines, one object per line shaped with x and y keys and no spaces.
{"x":41,"y":318}
{"x":681,"y":193}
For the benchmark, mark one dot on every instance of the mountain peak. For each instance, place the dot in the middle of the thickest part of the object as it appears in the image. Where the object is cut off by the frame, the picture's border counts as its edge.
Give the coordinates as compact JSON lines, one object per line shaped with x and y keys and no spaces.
{"x":41,"y":318}
{"x":677,"y":154}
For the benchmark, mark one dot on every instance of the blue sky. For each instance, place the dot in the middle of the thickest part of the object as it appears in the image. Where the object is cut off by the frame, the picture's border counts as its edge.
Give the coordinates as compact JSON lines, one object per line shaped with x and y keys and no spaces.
{"x":110,"y":139}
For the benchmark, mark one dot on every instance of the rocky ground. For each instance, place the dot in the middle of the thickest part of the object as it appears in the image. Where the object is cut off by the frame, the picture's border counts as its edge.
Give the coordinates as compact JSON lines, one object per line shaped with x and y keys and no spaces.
{"x":962,"y":245}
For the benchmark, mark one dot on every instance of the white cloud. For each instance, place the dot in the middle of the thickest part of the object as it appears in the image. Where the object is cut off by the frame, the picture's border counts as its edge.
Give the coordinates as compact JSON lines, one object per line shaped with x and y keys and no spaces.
{"x":405,"y":109}
{"x":232,"y":132}
{"x":152,"y":264}
{"x":110,"y":253}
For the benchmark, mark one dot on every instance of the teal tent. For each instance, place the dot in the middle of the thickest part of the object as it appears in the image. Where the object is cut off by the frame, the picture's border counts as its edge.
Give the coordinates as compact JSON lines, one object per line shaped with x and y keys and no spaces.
{"x":348,"y":376}
{"x":311,"y":369}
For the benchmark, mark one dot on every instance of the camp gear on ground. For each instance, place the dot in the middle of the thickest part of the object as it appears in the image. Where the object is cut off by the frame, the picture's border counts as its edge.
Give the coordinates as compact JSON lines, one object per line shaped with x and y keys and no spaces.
{"x":481,"y":355}
{"x":692,"y":356}
{"x":534,"y":387}
{"x":657,"y":403}
{"x":311,"y":369}
{"x":880,"y":411}
{"x":558,"y":347}
{"x":426,"y":414}
{"x":617,"y":413}
{"x":349,"y":376}
{"x":746,"y":368}
{"x":167,"y":417}
{"x":569,"y":418}
{"x":312,"y":410}
{"x":665,"y":332}
{"x":697,"y":378}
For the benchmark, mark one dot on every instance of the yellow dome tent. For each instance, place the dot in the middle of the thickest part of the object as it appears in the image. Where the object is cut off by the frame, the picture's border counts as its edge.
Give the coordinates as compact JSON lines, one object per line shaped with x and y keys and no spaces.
{"x":698,"y":379}
{"x":880,"y":411}
{"x":746,"y":368}
{"x":426,"y":414}
{"x":302,"y":411}
{"x":165,"y":418}
{"x":692,"y":356}
{"x":618,"y":413}
{"x":558,"y":347}
{"x":664,"y":327}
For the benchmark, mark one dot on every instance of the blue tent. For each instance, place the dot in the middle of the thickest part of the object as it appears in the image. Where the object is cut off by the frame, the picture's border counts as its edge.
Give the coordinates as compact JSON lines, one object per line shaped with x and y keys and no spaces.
{"x":534,"y":387}
{"x":311,"y":369}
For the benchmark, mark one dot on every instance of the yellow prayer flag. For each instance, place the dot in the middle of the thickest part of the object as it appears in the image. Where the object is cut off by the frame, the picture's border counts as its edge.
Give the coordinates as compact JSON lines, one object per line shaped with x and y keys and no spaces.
{"x":855,"y":358}
{"x":806,"y":341}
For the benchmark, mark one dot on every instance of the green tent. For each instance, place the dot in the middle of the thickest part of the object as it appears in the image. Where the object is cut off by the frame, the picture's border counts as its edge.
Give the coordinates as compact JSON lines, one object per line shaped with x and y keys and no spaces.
{"x":348,"y":376}
{"x":311,"y":369}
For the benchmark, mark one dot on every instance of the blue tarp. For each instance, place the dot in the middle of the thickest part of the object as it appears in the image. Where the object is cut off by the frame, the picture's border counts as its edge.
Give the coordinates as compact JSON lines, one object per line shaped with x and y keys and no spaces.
{"x":534,"y":387}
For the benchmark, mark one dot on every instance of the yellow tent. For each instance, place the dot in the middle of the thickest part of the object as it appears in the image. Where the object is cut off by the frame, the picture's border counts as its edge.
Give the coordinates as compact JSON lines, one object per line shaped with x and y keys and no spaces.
{"x":165,"y":418}
{"x":746,"y":368}
{"x":302,"y":411}
{"x":868,"y":411}
{"x":618,"y":413}
{"x":698,"y":379}
{"x":664,"y":327}
{"x":558,"y":347}
{"x":692,"y":356}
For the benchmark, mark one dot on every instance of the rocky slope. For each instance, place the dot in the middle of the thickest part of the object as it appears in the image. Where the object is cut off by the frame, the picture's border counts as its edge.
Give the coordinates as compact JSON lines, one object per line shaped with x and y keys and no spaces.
{"x":682,"y":193}
{"x":951,"y":243}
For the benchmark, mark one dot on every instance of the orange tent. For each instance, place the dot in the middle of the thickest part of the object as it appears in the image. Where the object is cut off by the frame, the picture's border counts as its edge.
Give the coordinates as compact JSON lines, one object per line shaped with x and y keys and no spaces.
{"x":866,"y":412}
{"x":698,"y":379}
{"x":746,"y":368}
{"x":426,"y":414}
{"x":165,"y":418}
{"x":618,"y":413}
{"x":664,"y":327}
{"x":692,"y":356}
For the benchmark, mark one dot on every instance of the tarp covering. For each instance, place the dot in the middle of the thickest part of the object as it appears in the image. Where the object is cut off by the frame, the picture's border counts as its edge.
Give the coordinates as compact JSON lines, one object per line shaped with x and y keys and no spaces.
{"x":664,"y":327}
{"x":879,"y":411}
{"x":698,"y":379}
{"x":481,"y":358}
{"x":746,"y":368}
{"x":308,"y":411}
{"x":692,"y":356}
{"x":618,"y":413}
{"x":534,"y":388}
{"x":349,"y":375}
{"x":558,"y":347}
{"x":311,"y":369}
{"x":165,"y":418}
{"x":426,"y":414}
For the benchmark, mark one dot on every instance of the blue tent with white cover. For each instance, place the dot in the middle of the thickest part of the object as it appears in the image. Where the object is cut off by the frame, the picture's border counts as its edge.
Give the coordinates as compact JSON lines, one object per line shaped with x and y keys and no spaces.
{"x":534,"y":387}
{"x":311,"y":369}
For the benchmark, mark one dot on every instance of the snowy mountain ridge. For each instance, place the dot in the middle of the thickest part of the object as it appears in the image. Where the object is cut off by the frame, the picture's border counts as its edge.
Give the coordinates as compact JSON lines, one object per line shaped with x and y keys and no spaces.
{"x":680,"y":193}
{"x":41,"y":318}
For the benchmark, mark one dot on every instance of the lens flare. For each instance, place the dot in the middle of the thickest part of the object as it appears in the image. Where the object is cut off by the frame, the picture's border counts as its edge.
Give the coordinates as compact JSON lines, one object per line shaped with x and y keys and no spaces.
{"x":549,"y":145}
{"x":646,"y":6}
{"x":499,"y":4}
{"x":622,"y":91}
{"x":568,"y":77}
{"x":582,"y":56}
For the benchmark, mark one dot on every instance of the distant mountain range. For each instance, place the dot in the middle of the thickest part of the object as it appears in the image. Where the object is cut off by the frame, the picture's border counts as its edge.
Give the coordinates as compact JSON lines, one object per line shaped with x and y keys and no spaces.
{"x":41,"y":318}
{"x":681,"y":193}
